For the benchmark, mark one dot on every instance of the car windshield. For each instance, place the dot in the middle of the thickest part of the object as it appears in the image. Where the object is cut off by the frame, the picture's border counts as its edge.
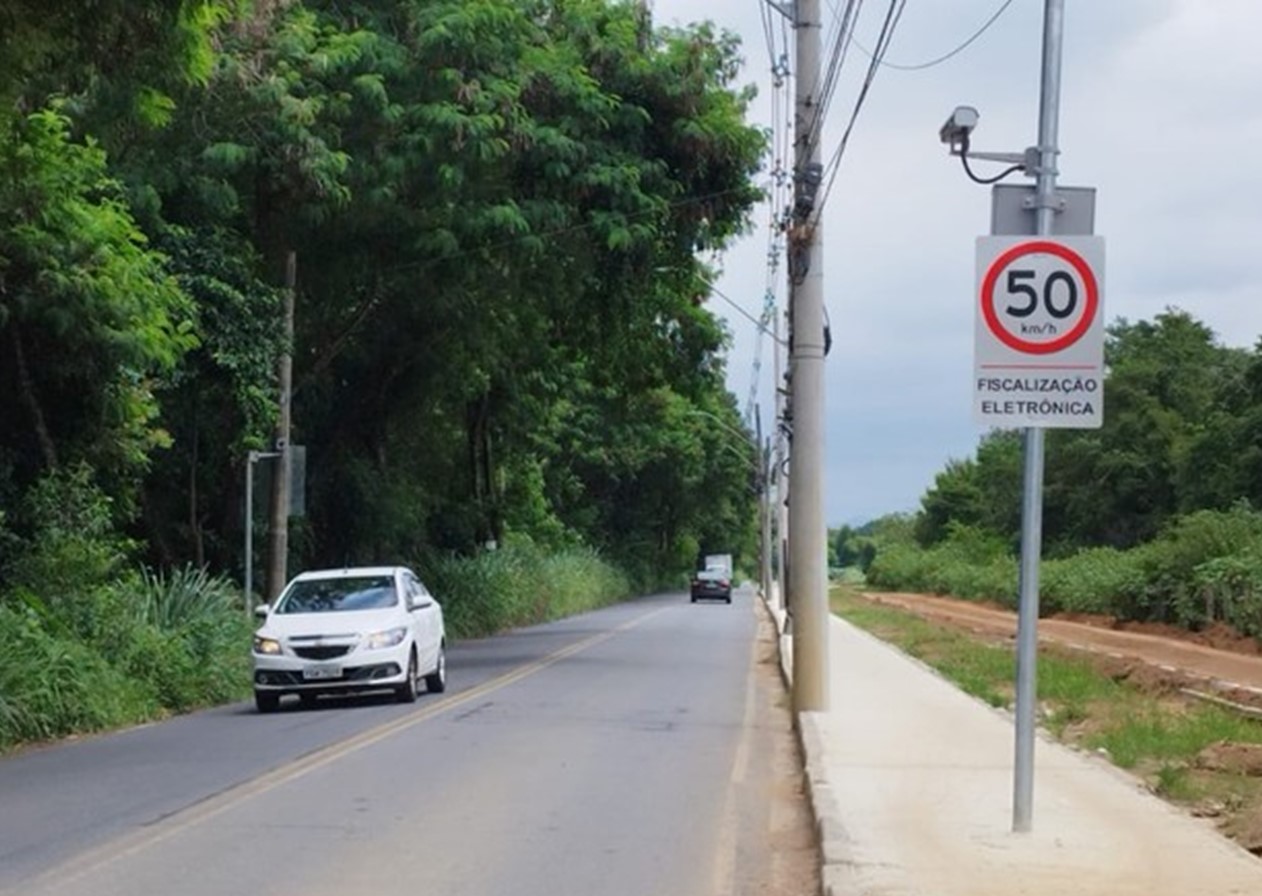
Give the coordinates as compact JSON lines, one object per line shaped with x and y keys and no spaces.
{"x":334,"y":595}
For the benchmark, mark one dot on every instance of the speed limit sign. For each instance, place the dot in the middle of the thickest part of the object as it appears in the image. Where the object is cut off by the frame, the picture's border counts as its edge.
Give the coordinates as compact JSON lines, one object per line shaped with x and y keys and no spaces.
{"x":1039,"y":345}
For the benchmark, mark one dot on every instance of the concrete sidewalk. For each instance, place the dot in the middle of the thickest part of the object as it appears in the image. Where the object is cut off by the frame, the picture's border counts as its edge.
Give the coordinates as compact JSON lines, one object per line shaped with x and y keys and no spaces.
{"x":911,"y":782}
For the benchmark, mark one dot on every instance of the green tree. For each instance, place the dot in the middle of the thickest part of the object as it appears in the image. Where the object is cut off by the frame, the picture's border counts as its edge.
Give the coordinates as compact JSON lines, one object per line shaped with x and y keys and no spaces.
{"x":88,"y":313}
{"x":499,"y":209}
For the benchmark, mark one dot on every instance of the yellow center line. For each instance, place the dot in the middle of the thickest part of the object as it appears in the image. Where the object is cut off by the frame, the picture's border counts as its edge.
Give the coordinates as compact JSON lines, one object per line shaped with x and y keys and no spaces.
{"x":177,"y":822}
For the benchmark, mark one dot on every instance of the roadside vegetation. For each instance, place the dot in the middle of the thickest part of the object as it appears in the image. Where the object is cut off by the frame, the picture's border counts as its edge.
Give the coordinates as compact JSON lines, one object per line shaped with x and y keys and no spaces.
{"x":506,"y":370}
{"x":1154,"y":517}
{"x":1198,"y":755}
{"x":1203,"y":569}
{"x":92,"y":642}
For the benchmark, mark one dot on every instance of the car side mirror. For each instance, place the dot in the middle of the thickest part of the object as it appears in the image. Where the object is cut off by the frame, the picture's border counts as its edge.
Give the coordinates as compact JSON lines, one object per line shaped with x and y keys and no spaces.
{"x":260,"y":612}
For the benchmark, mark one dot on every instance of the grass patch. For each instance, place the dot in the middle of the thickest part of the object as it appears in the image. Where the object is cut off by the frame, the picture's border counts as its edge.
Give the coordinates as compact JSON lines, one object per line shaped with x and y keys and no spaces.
{"x":1153,"y":730}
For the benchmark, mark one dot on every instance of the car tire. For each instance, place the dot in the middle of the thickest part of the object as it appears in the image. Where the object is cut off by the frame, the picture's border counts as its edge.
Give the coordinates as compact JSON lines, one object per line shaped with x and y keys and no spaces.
{"x":266,"y":702}
{"x":728,"y":598}
{"x":436,"y":681}
{"x":406,"y":692}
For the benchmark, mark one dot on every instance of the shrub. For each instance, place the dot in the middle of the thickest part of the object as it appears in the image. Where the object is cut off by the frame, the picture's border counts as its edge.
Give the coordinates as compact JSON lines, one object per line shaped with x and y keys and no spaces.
{"x":519,"y":585}
{"x":72,"y":545}
{"x":970,"y":563}
{"x":1091,"y":581}
{"x":1170,"y":563}
{"x":1206,"y":567}
{"x":1231,"y":588}
{"x":189,"y":636}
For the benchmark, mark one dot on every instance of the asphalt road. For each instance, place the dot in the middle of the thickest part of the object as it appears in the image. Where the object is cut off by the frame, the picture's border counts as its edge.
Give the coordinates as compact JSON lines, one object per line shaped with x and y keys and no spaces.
{"x":593,"y":755}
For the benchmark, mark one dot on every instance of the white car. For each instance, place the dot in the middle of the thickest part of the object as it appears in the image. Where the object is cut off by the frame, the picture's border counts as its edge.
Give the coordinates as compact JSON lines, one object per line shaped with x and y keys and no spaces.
{"x":338,"y":631}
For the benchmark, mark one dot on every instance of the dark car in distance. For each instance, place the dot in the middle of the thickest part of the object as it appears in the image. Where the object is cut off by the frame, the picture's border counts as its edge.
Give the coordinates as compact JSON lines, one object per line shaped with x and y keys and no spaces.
{"x":711,"y":584}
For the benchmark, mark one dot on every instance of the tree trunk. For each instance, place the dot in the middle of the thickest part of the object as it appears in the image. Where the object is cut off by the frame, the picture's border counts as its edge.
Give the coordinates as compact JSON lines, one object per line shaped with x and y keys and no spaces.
{"x":194,"y":512}
{"x":31,"y":400}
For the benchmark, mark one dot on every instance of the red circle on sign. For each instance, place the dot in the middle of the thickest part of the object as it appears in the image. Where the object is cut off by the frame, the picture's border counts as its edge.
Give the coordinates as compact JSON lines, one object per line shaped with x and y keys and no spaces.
{"x":1060,"y":251}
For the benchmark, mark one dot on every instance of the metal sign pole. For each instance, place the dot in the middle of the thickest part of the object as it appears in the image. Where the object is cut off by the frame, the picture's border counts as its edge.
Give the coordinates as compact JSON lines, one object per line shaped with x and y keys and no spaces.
{"x":1032,"y":500}
{"x":251,"y":458}
{"x":249,"y":534}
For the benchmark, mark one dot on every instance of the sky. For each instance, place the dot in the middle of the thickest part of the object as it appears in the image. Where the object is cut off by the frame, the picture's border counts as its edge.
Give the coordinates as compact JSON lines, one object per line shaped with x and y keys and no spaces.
{"x":1160,"y":111}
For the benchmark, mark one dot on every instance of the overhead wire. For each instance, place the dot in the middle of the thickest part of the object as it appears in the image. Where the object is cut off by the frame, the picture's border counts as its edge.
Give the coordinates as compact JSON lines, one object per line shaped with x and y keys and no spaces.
{"x":741,"y":310}
{"x":780,"y":147}
{"x":938,"y":60}
{"x":888,"y":26}
{"x":822,"y":92}
{"x":768,"y":30}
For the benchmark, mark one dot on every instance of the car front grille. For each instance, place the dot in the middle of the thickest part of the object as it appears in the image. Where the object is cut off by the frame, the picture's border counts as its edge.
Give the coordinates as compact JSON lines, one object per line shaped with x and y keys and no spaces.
{"x":322,"y":652}
{"x":354,"y":677}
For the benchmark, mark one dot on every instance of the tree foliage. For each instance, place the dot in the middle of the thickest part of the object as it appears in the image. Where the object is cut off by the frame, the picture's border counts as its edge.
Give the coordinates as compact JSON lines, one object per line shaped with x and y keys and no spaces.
{"x":1179,"y":436}
{"x":500,"y":211}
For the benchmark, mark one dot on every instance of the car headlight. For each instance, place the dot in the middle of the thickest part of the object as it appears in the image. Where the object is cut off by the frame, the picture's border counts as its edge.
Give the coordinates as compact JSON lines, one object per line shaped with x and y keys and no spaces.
{"x":266,"y":645}
{"x":388,"y":638}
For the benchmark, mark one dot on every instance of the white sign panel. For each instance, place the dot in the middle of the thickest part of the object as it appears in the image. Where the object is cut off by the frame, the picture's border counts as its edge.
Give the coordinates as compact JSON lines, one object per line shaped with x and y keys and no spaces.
{"x":1038,"y":357}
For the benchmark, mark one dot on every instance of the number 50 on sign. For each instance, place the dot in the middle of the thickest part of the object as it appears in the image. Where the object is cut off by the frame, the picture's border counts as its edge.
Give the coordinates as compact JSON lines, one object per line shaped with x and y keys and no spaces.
{"x":1039,"y":335}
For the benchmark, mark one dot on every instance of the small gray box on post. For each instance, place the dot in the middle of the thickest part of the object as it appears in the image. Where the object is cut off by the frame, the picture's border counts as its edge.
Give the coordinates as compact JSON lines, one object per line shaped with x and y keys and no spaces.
{"x":1013,"y":211}
{"x":297,"y":480}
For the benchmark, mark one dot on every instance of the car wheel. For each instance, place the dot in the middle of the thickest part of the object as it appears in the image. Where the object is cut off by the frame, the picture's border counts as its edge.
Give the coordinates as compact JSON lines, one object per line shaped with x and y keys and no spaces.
{"x":406,"y":692}
{"x":266,"y":702}
{"x":436,"y":681}
{"x":729,"y":598}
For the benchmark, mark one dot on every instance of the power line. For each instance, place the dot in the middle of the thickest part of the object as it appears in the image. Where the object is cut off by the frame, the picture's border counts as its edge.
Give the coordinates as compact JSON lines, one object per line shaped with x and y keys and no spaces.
{"x":892,"y":17}
{"x":838,"y":40}
{"x":920,"y":66}
{"x":745,"y":314}
{"x":767,"y":31}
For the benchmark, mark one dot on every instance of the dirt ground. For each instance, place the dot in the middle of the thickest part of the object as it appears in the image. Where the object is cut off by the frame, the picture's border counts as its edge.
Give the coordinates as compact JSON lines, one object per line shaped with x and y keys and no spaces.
{"x":1220,"y":660}
{"x":1218,"y":665}
{"x":773,"y":846}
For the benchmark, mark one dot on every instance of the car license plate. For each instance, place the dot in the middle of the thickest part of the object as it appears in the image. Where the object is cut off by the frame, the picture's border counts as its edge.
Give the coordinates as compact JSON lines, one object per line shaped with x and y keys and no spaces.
{"x":322,"y":672}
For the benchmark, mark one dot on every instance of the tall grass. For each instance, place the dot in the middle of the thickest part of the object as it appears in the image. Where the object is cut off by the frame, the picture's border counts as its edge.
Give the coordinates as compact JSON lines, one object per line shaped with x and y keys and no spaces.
{"x":141,"y":647}
{"x":51,"y":687}
{"x":520,"y":584}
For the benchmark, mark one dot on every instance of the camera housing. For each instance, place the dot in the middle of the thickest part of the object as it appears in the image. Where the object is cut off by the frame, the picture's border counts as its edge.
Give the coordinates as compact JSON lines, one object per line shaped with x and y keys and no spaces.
{"x":955,"y":130}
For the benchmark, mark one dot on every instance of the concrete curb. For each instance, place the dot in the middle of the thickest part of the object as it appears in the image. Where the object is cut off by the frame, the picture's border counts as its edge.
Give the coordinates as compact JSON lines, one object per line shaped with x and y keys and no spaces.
{"x":838,"y":872}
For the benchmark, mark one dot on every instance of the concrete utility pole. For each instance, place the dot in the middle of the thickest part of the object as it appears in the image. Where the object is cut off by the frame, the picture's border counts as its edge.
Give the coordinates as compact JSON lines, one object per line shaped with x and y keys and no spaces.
{"x":764,"y":507}
{"x":780,"y":476}
{"x":278,"y":535}
{"x":807,"y":546}
{"x":1032,"y":500}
